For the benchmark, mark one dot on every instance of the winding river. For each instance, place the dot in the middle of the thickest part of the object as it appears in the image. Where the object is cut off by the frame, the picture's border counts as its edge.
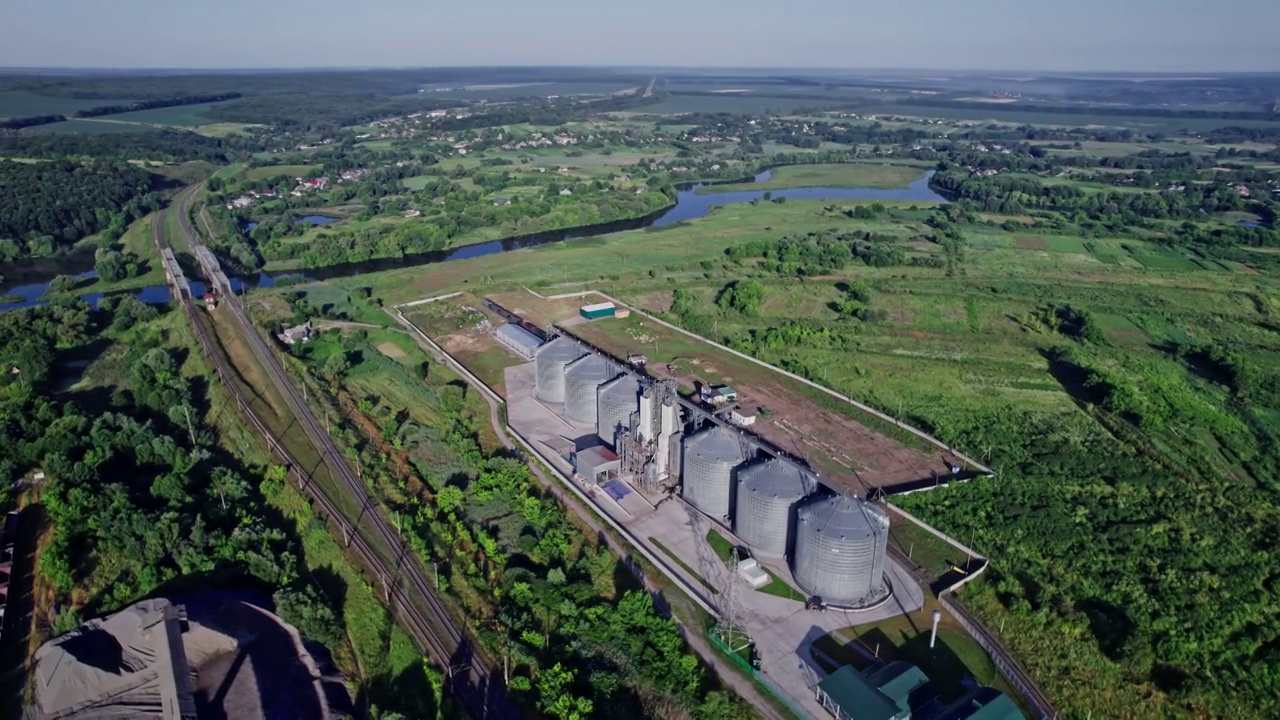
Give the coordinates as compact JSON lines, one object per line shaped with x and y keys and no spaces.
{"x":26,"y":283}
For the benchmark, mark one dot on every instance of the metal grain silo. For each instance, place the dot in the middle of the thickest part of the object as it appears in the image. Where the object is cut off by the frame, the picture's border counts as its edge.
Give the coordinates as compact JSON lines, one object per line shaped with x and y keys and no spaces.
{"x":767,"y":492}
{"x":709,"y":459}
{"x":550,"y":362}
{"x":617,"y":401}
{"x":582,"y":380}
{"x":840,"y":547}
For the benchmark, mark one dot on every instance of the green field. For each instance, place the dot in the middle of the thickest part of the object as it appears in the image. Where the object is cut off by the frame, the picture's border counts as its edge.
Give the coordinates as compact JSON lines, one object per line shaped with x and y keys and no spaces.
{"x":841,"y":175}
{"x":178,"y":116}
{"x":270,"y":171}
{"x":21,"y":103}
{"x":93,"y":126}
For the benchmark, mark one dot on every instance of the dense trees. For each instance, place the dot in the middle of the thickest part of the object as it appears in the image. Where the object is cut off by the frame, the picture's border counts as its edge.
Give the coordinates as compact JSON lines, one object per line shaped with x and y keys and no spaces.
{"x":133,"y":489}
{"x":50,"y":205}
{"x":742,"y":296}
{"x":102,"y":110}
{"x":166,"y":145}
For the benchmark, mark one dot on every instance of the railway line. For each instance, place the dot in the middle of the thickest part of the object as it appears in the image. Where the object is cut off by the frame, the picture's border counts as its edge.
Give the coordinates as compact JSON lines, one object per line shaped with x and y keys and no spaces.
{"x":468,"y":678}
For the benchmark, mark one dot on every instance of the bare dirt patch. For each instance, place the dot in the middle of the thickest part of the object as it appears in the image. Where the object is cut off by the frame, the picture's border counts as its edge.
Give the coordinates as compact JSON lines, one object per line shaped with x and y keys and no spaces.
{"x":849,"y":455}
{"x":1030,"y":242}
{"x":391,"y":350}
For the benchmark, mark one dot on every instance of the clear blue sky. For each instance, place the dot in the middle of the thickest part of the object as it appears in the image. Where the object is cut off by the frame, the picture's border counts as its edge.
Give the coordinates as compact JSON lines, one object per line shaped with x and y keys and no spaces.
{"x":1146,"y":35}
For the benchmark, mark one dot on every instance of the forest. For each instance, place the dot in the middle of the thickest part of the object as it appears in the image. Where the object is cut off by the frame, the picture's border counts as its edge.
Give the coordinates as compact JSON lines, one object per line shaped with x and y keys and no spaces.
{"x":142,"y":497}
{"x":162,"y":145}
{"x":51,"y":205}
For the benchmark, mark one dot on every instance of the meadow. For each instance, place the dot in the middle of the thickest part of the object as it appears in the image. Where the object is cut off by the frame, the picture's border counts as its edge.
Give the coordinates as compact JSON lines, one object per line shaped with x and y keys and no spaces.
{"x":844,"y":175}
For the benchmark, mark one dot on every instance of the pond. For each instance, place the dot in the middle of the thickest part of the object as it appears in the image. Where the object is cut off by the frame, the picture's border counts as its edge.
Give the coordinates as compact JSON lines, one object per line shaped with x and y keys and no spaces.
{"x":33,"y":278}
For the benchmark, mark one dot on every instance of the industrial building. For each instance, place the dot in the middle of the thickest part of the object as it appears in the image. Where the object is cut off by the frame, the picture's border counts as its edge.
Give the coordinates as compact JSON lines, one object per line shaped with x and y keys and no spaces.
{"x":662,"y":443}
{"x":894,"y":691}
{"x":617,"y":401}
{"x":552,"y":359}
{"x":710,"y":458}
{"x":767,"y":495}
{"x":213,"y":655}
{"x":671,"y":469}
{"x":518,"y":340}
{"x":582,"y":380}
{"x":840,"y":547}
{"x":982,"y":703}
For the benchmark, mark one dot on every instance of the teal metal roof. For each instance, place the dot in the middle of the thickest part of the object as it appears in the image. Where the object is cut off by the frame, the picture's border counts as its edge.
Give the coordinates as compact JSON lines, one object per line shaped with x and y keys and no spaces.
{"x":983,"y":704}
{"x":857,"y":697}
{"x":903,"y":683}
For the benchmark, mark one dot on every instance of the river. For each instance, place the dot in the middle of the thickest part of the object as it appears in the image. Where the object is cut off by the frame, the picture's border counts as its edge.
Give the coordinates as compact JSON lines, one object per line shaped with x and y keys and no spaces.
{"x":26,"y":282}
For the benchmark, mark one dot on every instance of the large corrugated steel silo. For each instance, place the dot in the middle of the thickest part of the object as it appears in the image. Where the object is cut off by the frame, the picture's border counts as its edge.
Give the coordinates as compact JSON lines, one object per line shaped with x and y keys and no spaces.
{"x":617,"y":401}
{"x":549,"y":363}
{"x":840,"y":547}
{"x":767,"y":492}
{"x":709,"y":459}
{"x":582,"y":380}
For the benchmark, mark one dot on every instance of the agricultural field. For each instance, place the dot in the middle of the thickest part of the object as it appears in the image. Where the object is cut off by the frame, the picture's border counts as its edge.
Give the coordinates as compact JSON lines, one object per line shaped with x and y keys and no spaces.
{"x":178,"y":116}
{"x":828,"y":175}
{"x":22,"y":103}
{"x":91,"y":126}
{"x":270,"y":171}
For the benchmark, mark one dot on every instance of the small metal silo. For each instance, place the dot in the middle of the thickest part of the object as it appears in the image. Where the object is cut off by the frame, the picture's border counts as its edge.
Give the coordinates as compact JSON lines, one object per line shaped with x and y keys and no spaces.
{"x":618,"y":399}
{"x":550,"y":363}
{"x":839,"y":550}
{"x":709,"y":459}
{"x":582,"y":380}
{"x":767,"y":492}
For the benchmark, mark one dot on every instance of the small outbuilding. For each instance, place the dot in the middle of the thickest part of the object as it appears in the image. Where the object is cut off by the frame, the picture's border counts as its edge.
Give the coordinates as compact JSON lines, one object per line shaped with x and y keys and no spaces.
{"x":593,"y":464}
{"x":889,"y":692}
{"x":598,"y":310}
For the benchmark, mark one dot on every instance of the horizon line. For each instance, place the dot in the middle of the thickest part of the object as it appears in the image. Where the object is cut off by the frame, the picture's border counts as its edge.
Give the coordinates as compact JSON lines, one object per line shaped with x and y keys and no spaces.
{"x":633,"y":67}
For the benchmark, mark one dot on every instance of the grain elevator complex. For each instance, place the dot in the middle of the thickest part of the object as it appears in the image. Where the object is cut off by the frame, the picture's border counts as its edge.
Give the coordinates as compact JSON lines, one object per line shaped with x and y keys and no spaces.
{"x":624,"y":432}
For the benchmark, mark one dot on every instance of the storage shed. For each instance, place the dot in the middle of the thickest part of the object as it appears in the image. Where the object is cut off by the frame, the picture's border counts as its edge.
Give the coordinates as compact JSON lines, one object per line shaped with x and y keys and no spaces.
{"x":598,"y":310}
{"x":518,"y":340}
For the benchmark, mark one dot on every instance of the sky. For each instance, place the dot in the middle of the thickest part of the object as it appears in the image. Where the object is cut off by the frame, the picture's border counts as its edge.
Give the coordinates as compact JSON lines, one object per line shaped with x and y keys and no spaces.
{"x":1080,"y":35}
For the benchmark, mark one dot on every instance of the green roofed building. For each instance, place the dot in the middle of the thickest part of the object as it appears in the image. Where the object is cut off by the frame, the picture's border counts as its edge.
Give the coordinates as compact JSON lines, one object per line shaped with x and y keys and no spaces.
{"x":983,"y":704}
{"x":890,"y":692}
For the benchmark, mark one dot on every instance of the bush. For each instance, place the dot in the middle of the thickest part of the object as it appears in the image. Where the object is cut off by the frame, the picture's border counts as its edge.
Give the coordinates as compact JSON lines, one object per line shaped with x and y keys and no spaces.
{"x":307,"y":611}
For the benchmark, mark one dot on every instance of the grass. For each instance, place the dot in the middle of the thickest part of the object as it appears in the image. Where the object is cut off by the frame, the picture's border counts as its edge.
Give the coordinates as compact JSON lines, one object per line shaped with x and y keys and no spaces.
{"x":720,"y":544}
{"x":270,"y":171}
{"x":90,"y":126}
{"x":842,"y":175}
{"x":178,"y":116}
{"x":906,"y":637}
{"x":925,"y":549}
{"x":683,"y":565}
{"x":138,"y":241}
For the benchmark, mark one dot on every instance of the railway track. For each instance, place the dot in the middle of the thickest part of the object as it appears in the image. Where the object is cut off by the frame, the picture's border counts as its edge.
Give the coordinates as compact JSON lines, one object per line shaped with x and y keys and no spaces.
{"x":467,"y":677}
